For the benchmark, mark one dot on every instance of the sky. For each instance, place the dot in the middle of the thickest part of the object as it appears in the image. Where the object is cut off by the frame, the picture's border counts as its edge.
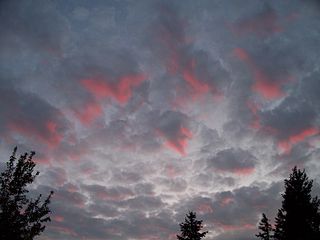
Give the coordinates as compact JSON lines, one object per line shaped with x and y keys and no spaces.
{"x":140,"y":111}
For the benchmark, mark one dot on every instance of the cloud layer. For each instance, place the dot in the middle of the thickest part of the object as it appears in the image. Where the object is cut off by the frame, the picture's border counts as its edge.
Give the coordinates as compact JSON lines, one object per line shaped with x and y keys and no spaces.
{"x":142,"y":110}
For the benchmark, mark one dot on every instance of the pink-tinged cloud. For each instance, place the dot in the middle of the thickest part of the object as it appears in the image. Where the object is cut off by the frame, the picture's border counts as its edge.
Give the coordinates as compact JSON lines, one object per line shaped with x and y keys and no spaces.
{"x":58,"y":218}
{"x":269,"y":90}
{"x":179,"y":57}
{"x":89,"y":112}
{"x":204,"y":208}
{"x":190,"y":77}
{"x":226,"y":201}
{"x":179,"y":142}
{"x":121,"y":91}
{"x":71,"y":188}
{"x":239,"y":171}
{"x":262,"y":25}
{"x":46,"y":133}
{"x":42,"y":160}
{"x":113,"y":195}
{"x":266,"y":86}
{"x":287,"y":144}
{"x":64,"y":230}
{"x":243,"y":171}
{"x":171,"y":171}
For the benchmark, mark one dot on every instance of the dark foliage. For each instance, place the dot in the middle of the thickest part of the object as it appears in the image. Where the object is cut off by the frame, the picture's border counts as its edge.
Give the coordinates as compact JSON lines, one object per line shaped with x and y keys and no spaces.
{"x":299,"y":216}
{"x":191,"y":227}
{"x":21,"y":217}
{"x":265,"y":228}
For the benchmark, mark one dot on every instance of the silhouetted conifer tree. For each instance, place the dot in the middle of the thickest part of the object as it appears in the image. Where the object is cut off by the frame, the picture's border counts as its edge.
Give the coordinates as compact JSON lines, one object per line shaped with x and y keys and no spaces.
{"x":191,"y":227}
{"x":21,"y":217}
{"x":299,"y":217}
{"x":265,"y":229}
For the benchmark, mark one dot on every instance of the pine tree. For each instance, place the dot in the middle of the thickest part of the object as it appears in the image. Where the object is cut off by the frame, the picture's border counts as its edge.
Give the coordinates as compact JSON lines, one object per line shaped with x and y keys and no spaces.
{"x":266,"y":228}
{"x":190,"y":229}
{"x":21,"y":217}
{"x":299,"y":217}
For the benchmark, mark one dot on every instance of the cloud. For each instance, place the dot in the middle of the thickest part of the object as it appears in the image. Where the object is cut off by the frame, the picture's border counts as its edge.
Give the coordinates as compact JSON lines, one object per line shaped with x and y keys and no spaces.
{"x":141,"y":112}
{"x":236,"y":161}
{"x":121,"y":91}
{"x":173,"y":126}
{"x":201,"y":74}
{"x":102,"y":193}
{"x":302,"y":122}
{"x":268,"y":87}
{"x":39,"y":26}
{"x":262,"y":24}
{"x":25,"y":114}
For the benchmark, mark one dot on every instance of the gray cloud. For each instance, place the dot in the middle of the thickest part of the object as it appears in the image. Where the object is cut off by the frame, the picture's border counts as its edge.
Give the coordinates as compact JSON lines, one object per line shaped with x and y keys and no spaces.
{"x":233,"y":160}
{"x":142,"y":111}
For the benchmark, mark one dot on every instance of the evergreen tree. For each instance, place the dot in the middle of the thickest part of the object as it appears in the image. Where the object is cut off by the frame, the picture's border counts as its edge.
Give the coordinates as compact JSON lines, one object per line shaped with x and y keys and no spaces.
{"x":21,"y":217}
{"x":299,"y":217}
{"x":266,"y":228}
{"x":190,"y":229}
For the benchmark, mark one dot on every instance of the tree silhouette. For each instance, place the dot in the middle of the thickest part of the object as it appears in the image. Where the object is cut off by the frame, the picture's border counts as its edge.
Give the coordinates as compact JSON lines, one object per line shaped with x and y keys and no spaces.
{"x":299,"y":217}
{"x":21,"y":217}
{"x":190,"y":228}
{"x":266,"y":228}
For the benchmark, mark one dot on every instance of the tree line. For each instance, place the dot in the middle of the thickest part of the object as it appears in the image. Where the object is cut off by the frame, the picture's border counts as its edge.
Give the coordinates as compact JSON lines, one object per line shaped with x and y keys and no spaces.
{"x":297,"y":219}
{"x":23,"y":218}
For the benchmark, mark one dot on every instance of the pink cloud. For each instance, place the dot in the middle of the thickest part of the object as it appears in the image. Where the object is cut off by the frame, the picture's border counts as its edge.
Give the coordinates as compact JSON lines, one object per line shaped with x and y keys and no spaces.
{"x":204,"y":208}
{"x":243,"y":171}
{"x":171,"y":171}
{"x":179,"y":142}
{"x":266,"y":86}
{"x":58,"y":218}
{"x":121,"y":91}
{"x":286,"y":144}
{"x":46,"y":133}
{"x":89,"y":112}
{"x":226,"y":201}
